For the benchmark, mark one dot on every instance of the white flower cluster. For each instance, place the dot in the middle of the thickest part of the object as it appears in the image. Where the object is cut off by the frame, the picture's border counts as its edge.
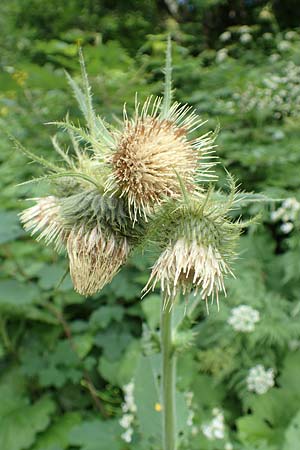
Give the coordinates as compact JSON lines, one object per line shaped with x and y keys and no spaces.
{"x":279,"y":95}
{"x":243,"y":318}
{"x":228,"y":446}
{"x":226,"y":36}
{"x":283,"y":46}
{"x":129,"y":409}
{"x":245,"y":38}
{"x":260,"y":380}
{"x":291,"y":35}
{"x":215,"y":429}
{"x":222,"y":55}
{"x":288,"y":213}
{"x":189,"y":396}
{"x":294,"y":344}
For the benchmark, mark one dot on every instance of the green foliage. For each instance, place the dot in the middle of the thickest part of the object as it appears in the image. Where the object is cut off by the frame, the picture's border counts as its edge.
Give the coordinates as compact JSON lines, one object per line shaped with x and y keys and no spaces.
{"x":17,"y":413}
{"x":96,"y":435}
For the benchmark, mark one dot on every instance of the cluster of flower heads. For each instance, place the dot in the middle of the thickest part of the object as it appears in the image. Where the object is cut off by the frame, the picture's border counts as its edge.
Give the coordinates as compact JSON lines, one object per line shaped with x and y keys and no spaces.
{"x":288,"y":214}
{"x":215,"y":429}
{"x":260,"y":380}
{"x":189,"y":397}
{"x":276,"y":96}
{"x":243,"y":318}
{"x":129,"y":410}
{"x":117,"y":185}
{"x":279,"y":94}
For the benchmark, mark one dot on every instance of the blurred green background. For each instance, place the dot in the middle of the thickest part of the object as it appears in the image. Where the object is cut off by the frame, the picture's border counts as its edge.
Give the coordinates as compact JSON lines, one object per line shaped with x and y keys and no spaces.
{"x":64,"y":360}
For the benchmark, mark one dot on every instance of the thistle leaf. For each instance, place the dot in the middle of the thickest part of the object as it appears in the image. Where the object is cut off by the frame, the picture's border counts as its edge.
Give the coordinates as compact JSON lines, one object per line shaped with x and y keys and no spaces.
{"x":62,"y":175}
{"x":82,"y":134}
{"x":60,"y":151}
{"x":38,"y":159}
{"x":95,"y":124}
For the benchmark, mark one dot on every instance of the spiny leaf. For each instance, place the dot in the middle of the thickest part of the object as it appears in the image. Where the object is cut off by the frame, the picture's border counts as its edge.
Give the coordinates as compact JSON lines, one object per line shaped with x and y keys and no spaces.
{"x":39,"y":159}
{"x":62,"y":175}
{"x":95,"y":124}
{"x":60,"y":151}
{"x":97,"y":146}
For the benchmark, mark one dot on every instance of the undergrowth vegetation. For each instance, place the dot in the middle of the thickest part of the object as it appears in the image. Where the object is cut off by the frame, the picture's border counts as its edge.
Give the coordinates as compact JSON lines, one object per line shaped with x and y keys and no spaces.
{"x":79,"y":373}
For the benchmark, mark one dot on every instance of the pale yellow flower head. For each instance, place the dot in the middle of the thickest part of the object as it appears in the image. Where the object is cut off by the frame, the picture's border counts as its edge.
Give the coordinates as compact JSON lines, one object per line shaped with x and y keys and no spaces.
{"x":95,"y":258}
{"x":44,"y":220}
{"x":153,"y":151}
{"x":198,"y":242}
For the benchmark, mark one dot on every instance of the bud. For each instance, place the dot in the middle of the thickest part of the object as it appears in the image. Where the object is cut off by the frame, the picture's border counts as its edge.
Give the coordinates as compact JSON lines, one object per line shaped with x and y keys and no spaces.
{"x":44,"y":219}
{"x":95,"y":257}
{"x":199,"y":246}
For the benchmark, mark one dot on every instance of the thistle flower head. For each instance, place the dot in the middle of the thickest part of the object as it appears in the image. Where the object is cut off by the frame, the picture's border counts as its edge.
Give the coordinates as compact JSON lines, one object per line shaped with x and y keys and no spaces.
{"x":95,"y":257}
{"x":152,"y":151}
{"x":198,"y":241}
{"x":44,"y":220}
{"x":93,"y":230}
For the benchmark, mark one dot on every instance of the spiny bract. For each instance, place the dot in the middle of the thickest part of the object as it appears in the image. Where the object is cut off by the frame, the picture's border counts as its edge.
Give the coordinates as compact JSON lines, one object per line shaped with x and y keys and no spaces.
{"x":198,"y":244}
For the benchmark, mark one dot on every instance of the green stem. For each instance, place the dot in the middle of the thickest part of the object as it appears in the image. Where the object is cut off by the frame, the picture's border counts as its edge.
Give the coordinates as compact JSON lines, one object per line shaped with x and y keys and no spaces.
{"x":4,"y":335}
{"x":168,"y":381}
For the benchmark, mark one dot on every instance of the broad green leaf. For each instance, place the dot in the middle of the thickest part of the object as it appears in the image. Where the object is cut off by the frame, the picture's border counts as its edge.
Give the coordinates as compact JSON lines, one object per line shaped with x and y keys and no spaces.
{"x":53,"y":276}
{"x":97,"y":435}
{"x":147,"y":396}
{"x":114,"y":341}
{"x":83,"y":344}
{"x":292,"y":434}
{"x":20,"y":420}
{"x":252,"y":429}
{"x":102,"y":317}
{"x":57,"y":435}
{"x":10,"y":228}
{"x":121,"y":372}
{"x":151,"y":306}
{"x":16,"y":297}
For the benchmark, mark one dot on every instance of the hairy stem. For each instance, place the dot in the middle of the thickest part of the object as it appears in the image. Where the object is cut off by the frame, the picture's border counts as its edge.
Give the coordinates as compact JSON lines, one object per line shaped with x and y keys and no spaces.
{"x":168,"y":381}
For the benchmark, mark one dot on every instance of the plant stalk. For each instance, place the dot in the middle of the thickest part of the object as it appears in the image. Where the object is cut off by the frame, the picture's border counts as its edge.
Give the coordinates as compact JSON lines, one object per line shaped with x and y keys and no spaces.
{"x":168,"y":382}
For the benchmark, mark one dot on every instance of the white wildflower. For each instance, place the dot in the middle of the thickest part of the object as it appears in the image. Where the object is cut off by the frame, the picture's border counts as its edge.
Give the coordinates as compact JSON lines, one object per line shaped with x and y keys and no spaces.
{"x":245,"y":38}
{"x":260,"y":380}
{"x":288,"y":213}
{"x":244,"y":29}
{"x":190,"y":419}
{"x":290,"y":35}
{"x":222,"y":55}
{"x":127,"y":435}
{"x":278,"y":135}
{"x":277,"y":214}
{"x":216,"y":428}
{"x":294,"y":344}
{"x":126,"y":420}
{"x":291,"y":203}
{"x":128,"y":408}
{"x":228,"y":446}
{"x":225,"y":36}
{"x":274,"y":57}
{"x":287,"y":227}
{"x":267,"y":36}
{"x":194,"y":430}
{"x":283,"y":46}
{"x":243,"y":318}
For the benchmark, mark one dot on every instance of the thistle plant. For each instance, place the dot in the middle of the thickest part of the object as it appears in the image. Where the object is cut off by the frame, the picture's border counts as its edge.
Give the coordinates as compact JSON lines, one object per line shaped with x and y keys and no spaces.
{"x":121,"y":188}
